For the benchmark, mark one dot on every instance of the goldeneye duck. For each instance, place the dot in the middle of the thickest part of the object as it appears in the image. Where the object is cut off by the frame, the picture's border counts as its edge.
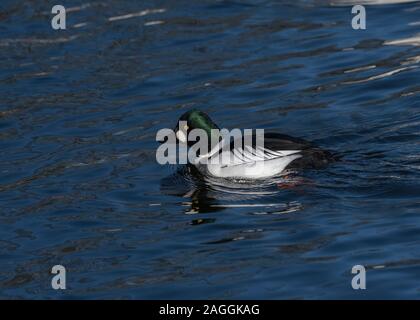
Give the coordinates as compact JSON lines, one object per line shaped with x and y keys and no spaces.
{"x":249,"y":160}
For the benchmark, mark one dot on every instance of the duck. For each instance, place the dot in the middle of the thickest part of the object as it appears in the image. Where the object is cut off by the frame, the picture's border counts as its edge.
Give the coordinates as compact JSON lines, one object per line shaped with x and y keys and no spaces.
{"x":280,"y":153}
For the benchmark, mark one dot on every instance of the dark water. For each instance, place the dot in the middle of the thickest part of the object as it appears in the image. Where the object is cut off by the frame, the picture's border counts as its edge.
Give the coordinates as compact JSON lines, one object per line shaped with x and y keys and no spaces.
{"x":80,"y":186}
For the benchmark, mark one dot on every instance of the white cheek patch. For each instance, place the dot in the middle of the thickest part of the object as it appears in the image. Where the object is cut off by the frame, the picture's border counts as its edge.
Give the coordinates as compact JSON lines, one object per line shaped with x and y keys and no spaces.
{"x":181,"y":136}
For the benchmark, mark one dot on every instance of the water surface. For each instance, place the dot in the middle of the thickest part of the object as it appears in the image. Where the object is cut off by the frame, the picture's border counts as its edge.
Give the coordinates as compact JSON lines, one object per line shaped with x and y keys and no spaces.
{"x":80,"y":186}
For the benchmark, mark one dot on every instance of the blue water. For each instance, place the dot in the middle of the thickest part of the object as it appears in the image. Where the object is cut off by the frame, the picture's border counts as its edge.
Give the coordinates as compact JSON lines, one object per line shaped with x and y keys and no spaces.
{"x":80,"y":185}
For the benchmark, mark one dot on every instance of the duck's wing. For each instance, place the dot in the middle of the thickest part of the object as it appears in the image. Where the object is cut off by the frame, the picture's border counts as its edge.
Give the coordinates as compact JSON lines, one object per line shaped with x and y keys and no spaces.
{"x":251,"y":163}
{"x":248,"y":154}
{"x":241,"y":158}
{"x":274,"y":146}
{"x":312,"y":157}
{"x":280,"y":146}
{"x":278,"y":141}
{"x":249,"y":160}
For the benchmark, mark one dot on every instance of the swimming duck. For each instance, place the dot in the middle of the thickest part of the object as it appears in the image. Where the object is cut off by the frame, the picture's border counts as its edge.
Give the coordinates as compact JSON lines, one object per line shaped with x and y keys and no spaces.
{"x":249,"y":160}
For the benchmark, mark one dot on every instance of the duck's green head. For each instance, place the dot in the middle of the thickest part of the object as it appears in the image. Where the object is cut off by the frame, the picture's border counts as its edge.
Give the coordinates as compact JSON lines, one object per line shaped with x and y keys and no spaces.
{"x":193,"y":119}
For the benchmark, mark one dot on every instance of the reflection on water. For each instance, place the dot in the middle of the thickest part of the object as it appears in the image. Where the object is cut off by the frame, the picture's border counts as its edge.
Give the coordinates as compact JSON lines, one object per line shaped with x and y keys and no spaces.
{"x":210,"y":194}
{"x":79,"y":182}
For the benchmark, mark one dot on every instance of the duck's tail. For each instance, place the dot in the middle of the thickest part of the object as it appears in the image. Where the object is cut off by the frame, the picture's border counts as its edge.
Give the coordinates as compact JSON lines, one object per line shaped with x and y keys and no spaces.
{"x":314,"y":158}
